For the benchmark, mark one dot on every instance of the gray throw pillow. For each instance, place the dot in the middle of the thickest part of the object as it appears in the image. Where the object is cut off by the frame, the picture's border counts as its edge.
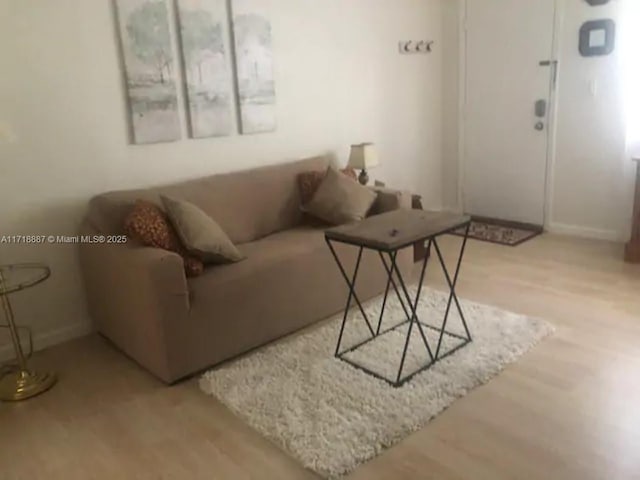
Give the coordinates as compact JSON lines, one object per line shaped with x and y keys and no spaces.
{"x":340,"y":199}
{"x":200,"y":234}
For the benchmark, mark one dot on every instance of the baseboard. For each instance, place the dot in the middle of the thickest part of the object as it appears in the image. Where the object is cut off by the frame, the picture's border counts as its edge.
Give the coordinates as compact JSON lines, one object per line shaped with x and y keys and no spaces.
{"x":585,"y":232}
{"x":48,"y":339}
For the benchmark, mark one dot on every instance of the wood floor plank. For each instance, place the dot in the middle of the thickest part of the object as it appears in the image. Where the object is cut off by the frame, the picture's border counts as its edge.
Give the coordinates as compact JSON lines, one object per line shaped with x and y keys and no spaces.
{"x":568,"y":409}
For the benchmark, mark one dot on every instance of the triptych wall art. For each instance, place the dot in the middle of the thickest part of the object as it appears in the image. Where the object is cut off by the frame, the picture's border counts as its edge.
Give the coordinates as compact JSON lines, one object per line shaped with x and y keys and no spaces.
{"x":206,"y":66}
{"x":150,"y":71}
{"x":254,"y":67}
{"x":218,"y":65}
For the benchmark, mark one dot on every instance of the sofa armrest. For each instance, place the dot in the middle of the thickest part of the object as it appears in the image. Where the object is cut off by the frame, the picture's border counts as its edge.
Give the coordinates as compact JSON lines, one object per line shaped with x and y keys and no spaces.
{"x":136,"y":296}
{"x":160,"y":270}
{"x":389,"y":200}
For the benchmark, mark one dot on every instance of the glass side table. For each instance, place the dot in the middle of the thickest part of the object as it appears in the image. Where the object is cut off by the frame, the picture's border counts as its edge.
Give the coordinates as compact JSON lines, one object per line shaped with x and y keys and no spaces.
{"x":19,"y":382}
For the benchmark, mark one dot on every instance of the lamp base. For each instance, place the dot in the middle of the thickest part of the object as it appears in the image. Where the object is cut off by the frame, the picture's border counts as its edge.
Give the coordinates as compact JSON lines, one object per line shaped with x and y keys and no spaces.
{"x":364,"y":177}
{"x":23,"y":384}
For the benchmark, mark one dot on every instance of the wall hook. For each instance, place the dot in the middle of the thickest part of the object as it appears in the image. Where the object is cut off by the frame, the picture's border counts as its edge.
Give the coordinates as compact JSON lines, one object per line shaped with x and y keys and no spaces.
{"x":416,"y":46}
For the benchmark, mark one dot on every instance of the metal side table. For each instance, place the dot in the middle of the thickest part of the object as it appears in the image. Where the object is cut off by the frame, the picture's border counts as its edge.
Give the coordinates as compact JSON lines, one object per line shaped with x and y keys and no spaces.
{"x":18,"y":382}
{"x":387,"y":234}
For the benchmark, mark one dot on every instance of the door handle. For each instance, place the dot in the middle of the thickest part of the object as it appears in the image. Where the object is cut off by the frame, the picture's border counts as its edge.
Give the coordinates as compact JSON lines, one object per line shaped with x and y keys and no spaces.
{"x":554,"y":66}
{"x":541,"y":108}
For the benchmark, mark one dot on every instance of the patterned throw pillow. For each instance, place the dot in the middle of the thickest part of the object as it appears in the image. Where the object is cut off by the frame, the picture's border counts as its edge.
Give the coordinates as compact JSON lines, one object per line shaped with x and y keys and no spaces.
{"x":350,"y":172}
{"x":308,"y":182}
{"x":193,"y":267}
{"x":151,"y":227}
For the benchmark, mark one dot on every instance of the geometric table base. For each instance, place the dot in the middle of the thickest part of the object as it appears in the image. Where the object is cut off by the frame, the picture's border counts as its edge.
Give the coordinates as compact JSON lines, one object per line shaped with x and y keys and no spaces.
{"x":344,"y":355}
{"x":408,"y":304}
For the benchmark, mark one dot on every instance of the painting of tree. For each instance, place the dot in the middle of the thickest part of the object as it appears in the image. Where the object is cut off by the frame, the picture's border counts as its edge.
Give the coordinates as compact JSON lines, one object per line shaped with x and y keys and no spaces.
{"x":149,"y":61}
{"x":206,"y":68}
{"x":254,"y":66}
{"x":148,"y":29}
{"x":149,"y":68}
{"x":201,"y":37}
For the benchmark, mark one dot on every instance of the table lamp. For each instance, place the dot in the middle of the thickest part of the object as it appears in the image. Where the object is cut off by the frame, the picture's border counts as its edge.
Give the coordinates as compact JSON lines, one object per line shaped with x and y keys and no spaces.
{"x":363,"y":157}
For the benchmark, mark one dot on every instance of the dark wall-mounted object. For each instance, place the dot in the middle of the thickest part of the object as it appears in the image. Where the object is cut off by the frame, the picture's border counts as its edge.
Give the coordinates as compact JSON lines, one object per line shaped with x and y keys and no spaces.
{"x":594,"y":3}
{"x":597,"y":37}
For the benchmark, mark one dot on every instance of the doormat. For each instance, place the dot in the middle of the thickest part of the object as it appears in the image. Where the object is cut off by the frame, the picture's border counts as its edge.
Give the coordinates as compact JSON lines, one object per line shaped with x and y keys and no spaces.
{"x":502,"y":233}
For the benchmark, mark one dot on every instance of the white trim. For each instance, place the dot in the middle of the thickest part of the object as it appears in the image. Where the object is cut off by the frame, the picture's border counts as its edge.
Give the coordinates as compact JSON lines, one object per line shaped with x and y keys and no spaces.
{"x":552,"y":124}
{"x":48,"y":339}
{"x":585,"y":232}
{"x":462,"y":99}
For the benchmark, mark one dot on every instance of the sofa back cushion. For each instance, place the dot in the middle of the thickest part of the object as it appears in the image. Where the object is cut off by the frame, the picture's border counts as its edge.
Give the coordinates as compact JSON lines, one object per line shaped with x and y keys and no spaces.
{"x":247,"y":205}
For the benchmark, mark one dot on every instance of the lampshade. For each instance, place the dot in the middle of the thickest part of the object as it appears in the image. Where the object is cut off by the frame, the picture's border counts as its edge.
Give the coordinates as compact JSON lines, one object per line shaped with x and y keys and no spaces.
{"x":363,"y":156}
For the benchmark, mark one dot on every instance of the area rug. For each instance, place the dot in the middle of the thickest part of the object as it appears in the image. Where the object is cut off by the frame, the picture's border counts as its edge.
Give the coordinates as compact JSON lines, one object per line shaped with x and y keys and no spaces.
{"x":497,"y":233}
{"x":333,"y":417}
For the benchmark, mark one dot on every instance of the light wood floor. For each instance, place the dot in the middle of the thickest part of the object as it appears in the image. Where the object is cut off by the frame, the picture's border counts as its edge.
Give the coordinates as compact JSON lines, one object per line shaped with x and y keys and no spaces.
{"x":569,"y":409}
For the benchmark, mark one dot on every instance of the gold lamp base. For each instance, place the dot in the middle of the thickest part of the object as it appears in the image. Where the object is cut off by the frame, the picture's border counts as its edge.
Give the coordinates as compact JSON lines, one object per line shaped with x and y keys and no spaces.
{"x":23,"y":384}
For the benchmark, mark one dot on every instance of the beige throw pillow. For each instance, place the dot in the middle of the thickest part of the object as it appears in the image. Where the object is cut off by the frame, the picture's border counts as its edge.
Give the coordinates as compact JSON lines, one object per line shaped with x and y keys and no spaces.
{"x":340,"y":199}
{"x":199,"y":233}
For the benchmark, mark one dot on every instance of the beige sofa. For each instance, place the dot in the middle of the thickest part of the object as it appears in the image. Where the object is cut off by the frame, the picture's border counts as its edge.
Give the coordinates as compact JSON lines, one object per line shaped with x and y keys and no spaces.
{"x":173,"y":326}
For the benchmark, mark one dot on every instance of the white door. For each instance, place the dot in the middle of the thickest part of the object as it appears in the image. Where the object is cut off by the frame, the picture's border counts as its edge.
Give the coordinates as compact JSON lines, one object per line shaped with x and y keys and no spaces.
{"x":505,"y":139}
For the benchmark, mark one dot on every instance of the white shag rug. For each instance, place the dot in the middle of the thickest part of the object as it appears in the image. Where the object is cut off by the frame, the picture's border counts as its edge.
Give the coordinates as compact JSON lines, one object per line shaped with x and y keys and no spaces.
{"x":333,"y":417}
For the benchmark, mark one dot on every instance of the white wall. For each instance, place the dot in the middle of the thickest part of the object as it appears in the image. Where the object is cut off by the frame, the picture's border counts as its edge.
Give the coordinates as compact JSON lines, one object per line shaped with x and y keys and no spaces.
{"x":592,"y":178}
{"x":451,"y":17}
{"x":339,"y":80}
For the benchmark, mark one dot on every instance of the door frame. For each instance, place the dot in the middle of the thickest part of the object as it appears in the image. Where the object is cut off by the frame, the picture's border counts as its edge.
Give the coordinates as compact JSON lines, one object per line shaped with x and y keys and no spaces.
{"x":558,"y":19}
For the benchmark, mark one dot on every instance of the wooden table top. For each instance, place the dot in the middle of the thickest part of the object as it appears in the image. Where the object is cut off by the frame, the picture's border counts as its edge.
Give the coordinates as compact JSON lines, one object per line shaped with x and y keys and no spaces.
{"x":398,"y":229}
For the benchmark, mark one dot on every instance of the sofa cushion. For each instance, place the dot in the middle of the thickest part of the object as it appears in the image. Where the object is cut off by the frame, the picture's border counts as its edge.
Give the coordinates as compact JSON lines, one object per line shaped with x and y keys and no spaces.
{"x":340,"y":199}
{"x":199,"y":233}
{"x":247,"y":205}
{"x":264,"y":253}
{"x":308,"y":182}
{"x":150,"y":226}
{"x":292,"y":281}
